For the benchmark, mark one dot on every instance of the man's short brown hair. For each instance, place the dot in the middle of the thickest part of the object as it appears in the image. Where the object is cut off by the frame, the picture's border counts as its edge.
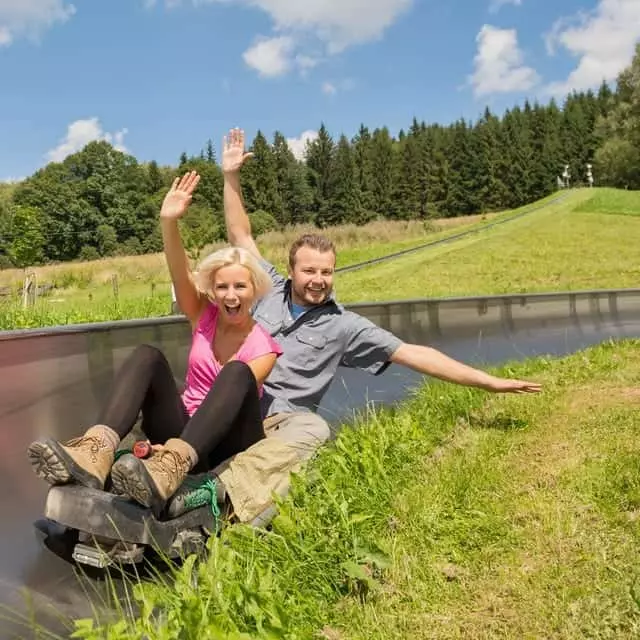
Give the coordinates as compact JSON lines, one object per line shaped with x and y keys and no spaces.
{"x":313,"y":241}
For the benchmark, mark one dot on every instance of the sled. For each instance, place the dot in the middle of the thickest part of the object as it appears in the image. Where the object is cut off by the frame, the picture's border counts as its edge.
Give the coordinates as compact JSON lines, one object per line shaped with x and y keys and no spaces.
{"x":113,"y":530}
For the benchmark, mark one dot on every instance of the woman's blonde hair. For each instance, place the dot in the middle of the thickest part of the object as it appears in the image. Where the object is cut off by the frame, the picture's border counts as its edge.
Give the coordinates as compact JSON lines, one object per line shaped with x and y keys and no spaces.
{"x":205,"y":274}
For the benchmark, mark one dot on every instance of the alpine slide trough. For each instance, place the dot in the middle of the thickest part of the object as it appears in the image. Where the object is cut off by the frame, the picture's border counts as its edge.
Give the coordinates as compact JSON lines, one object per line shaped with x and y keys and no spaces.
{"x":54,"y":378}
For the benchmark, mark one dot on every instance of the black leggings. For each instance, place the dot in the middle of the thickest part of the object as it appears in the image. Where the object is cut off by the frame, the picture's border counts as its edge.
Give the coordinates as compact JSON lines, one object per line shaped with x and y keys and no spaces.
{"x":228,"y":420}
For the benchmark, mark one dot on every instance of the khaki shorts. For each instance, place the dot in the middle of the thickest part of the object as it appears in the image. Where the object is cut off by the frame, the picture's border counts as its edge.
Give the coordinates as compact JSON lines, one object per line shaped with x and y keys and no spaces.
{"x":251,"y":477}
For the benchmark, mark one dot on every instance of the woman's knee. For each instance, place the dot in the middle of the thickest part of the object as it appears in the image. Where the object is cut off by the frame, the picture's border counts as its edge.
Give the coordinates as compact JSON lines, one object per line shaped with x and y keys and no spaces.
{"x":146,"y":355}
{"x":238,"y":371}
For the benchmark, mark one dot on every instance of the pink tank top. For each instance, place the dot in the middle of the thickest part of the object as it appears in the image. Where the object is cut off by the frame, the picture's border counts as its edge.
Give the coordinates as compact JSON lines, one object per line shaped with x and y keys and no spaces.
{"x":203,"y":368}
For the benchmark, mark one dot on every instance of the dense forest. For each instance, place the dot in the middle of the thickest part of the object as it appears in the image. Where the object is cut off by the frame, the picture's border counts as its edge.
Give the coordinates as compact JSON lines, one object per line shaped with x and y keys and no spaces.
{"x":101,"y":202}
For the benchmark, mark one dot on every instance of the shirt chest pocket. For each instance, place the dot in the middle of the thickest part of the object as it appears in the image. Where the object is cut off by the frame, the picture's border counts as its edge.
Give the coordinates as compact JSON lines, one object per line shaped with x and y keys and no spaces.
{"x":310,"y":349}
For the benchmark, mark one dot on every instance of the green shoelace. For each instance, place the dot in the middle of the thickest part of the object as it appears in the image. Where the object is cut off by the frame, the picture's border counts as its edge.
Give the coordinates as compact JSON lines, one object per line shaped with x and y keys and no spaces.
{"x":203,"y":492}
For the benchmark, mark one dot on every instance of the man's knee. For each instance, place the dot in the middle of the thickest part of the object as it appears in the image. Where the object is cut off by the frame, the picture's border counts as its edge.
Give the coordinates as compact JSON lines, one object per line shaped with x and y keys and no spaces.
{"x":305,"y":431}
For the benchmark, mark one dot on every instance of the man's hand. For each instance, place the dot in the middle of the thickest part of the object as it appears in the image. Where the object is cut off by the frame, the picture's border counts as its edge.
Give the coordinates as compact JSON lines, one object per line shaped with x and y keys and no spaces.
{"x":505,"y":385}
{"x":233,"y":153}
{"x":178,"y":199}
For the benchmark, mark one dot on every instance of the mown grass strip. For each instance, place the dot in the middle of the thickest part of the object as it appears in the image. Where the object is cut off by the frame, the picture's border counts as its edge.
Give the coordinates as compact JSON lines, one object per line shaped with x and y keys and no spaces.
{"x":556,"y":249}
{"x":612,"y":201}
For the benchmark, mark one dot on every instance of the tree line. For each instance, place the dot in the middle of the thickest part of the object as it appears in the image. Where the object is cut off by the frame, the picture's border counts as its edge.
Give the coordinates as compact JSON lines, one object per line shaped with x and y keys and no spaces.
{"x":101,"y":202}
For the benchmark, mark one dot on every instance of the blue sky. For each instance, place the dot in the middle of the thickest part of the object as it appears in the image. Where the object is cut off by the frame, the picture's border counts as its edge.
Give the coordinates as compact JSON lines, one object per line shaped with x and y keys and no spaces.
{"x":159,"y":77}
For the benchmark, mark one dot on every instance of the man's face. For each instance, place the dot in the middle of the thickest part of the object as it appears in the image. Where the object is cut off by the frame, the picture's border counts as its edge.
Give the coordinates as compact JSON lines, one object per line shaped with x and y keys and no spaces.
{"x":312,"y":276}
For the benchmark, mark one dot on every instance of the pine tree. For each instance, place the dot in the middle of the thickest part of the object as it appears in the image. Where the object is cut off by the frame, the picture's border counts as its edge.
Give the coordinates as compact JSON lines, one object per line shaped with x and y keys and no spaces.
{"x":516,"y":158}
{"x":259,"y":179}
{"x":545,"y":143}
{"x":344,"y":204}
{"x":407,"y":188}
{"x":383,"y":172}
{"x":154,"y":178}
{"x":576,"y":135}
{"x":364,"y":169}
{"x":293,"y":187}
{"x":462,"y":197}
{"x":210,"y":154}
{"x":490,"y":186}
{"x":319,"y":155}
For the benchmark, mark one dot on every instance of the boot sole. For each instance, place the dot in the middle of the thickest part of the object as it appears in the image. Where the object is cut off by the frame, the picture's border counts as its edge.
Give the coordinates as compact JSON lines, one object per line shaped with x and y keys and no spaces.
{"x":131,"y":479}
{"x":55,"y":466}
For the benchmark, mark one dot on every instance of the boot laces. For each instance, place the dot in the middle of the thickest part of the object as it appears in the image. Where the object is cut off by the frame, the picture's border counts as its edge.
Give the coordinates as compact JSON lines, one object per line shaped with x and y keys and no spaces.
{"x":89,"y":444}
{"x":168,"y":462}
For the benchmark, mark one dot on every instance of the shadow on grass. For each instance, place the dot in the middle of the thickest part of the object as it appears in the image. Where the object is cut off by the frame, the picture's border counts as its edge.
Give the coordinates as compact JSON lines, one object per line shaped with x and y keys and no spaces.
{"x":499,"y":422}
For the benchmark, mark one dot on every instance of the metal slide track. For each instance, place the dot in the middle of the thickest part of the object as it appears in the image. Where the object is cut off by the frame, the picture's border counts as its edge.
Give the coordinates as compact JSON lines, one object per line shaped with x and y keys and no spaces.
{"x":54,"y":378}
{"x":452,"y":238}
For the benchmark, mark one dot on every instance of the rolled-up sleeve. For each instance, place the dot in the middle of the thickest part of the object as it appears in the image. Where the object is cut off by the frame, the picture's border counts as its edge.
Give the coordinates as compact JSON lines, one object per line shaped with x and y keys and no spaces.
{"x":368,"y":346}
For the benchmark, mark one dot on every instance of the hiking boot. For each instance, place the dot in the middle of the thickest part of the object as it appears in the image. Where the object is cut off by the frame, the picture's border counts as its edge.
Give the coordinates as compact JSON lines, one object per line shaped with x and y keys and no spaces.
{"x":86,"y":460}
{"x":195,"y":492}
{"x":152,"y":481}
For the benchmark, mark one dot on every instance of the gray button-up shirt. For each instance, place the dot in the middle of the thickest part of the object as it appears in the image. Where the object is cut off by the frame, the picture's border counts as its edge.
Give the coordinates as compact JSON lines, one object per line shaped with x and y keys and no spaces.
{"x":315,"y":345}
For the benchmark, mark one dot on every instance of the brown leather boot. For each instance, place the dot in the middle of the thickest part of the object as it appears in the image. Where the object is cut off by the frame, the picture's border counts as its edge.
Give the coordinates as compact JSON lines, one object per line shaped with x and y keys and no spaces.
{"x":153,"y":481}
{"x":86,"y":460}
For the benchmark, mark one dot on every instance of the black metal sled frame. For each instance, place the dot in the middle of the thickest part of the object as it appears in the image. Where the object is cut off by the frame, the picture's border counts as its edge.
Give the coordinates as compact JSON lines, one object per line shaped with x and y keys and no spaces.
{"x":114,"y":530}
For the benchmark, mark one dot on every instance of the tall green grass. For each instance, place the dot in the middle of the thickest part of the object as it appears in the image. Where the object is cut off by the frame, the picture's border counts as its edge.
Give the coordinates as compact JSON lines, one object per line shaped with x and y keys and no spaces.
{"x":322,"y":546}
{"x":436,"y":519}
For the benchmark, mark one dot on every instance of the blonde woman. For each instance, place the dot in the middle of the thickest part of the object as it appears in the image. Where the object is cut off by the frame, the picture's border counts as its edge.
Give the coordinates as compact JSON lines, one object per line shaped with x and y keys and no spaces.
{"x":218,"y":413}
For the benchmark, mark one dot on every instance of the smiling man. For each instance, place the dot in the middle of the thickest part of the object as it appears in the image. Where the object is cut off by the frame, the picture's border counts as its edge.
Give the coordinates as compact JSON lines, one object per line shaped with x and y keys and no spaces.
{"x":317,"y":336}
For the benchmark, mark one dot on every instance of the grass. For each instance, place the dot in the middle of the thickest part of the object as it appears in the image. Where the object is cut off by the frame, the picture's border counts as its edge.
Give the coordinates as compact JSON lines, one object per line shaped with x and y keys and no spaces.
{"x":561,"y":247}
{"x":570,"y":245}
{"x":84,"y":291}
{"x":457,"y":515}
{"x":613,"y":201}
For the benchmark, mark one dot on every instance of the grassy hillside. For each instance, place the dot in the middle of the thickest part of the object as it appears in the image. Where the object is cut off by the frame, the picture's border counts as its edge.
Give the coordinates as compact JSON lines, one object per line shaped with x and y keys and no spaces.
{"x":569,"y":245}
{"x":572,"y":245}
{"x":139,"y":286}
{"x":458,"y":515}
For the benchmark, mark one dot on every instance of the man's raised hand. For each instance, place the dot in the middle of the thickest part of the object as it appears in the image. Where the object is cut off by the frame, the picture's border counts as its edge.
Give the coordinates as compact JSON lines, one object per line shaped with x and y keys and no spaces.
{"x":233,"y":153}
{"x":178,"y":199}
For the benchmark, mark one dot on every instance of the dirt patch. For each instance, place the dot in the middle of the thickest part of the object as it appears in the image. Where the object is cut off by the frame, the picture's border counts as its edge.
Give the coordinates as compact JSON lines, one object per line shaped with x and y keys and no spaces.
{"x":584,"y":399}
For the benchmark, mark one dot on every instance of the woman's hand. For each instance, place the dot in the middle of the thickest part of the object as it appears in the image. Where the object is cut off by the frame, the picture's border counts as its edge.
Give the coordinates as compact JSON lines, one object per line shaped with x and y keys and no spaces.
{"x":179,"y":197}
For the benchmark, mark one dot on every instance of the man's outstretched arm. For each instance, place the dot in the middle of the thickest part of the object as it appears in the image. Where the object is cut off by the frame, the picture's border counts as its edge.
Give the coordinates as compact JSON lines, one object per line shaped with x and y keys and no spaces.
{"x":235,"y":215}
{"x":434,"y":363}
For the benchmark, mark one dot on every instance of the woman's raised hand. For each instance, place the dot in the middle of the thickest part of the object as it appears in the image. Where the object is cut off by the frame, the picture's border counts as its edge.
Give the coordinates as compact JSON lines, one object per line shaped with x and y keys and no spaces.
{"x":179,"y":197}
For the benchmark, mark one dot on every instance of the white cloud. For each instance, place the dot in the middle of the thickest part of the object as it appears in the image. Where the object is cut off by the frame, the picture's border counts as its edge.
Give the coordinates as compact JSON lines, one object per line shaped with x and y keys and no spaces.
{"x":82,"y":132}
{"x":5,"y":37}
{"x":29,"y":18}
{"x":298,"y":145}
{"x":499,"y":63}
{"x":270,"y":57}
{"x":306,"y":62}
{"x":603,"y":40}
{"x":337,"y":24}
{"x":496,"y":5}
{"x":329,"y":88}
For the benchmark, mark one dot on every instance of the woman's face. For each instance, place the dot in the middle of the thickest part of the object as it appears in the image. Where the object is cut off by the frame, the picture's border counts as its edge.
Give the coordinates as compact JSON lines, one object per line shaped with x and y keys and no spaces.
{"x":233,"y":293}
